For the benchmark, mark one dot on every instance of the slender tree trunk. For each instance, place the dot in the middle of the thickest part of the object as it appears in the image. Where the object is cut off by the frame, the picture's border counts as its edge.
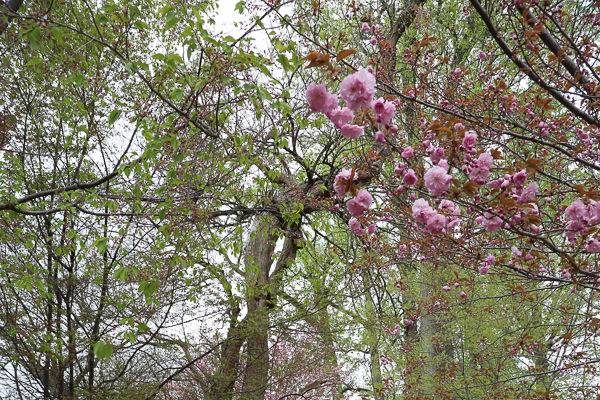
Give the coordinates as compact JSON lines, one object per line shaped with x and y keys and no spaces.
{"x":427,"y":331}
{"x":540,"y":353}
{"x":258,"y":261}
{"x":330,"y":356}
{"x":46,"y":375}
{"x":71,"y":340}
{"x":372,"y":331}
{"x":95,"y":334}
{"x":401,"y":20}
{"x":223,"y":382}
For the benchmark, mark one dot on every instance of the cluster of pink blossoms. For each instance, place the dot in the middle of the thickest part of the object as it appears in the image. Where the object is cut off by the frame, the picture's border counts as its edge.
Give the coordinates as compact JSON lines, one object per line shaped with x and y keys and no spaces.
{"x":375,"y":30}
{"x":437,"y":179}
{"x":342,"y":180}
{"x":580,"y":218}
{"x":357,"y":91}
{"x":487,"y":263}
{"x":445,"y":218}
{"x":320,"y":100}
{"x":489,"y":221}
{"x":514,"y":186}
{"x":479,"y":171}
{"x":516,"y":183}
{"x":360,"y":203}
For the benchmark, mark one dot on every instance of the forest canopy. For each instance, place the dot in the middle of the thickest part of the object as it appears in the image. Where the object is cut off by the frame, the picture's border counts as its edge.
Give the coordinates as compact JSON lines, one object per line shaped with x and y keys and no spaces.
{"x":300,"y":199}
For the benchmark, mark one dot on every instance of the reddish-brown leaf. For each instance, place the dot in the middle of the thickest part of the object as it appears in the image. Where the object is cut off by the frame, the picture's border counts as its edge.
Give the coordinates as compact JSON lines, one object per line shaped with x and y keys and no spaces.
{"x":344,"y":53}
{"x":497,"y":154}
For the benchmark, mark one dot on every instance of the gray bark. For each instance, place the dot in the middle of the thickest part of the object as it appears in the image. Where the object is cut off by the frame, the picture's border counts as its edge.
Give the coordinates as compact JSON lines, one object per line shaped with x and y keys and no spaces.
{"x":258,"y":260}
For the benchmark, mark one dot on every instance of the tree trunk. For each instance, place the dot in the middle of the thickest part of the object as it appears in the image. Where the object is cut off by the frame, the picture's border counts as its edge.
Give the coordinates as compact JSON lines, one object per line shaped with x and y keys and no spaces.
{"x":372,"y":330}
{"x":223,"y":382}
{"x":258,"y":261}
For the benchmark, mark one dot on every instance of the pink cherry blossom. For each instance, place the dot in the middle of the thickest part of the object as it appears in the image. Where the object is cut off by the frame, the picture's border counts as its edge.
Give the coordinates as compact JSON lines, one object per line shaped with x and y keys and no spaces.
{"x":452,"y":211}
{"x":437,"y":180}
{"x":437,"y":154}
{"x":469,"y":140}
{"x":519,"y":178}
{"x":360,"y":203}
{"x":421,"y":210}
{"x":516,"y":252}
{"x":399,"y":169}
{"x":495,"y":184}
{"x":528,"y":194}
{"x":594,"y":212}
{"x":408,"y":152}
{"x":423,"y":213}
{"x":372,"y":228}
{"x":358,"y":89}
{"x":436,"y":223}
{"x":593,"y":246}
{"x":356,"y":227}
{"x":489,"y":221}
{"x":319,"y":99}
{"x":379,"y":137}
{"x":352,"y":131}
{"x":341,"y":116}
{"x":365,"y":27}
{"x":580,"y":217}
{"x":409,"y":178}
{"x":577,"y":211}
{"x":384,"y":110}
{"x":481,"y":170}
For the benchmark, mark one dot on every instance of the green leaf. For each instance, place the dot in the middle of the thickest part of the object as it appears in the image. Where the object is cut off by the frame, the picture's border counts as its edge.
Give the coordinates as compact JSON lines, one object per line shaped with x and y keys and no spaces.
{"x":148,"y":288}
{"x":121,"y":273}
{"x":101,"y":244}
{"x":130,"y":336}
{"x":103,"y":350}
{"x":239,"y":7}
{"x":113,"y":116}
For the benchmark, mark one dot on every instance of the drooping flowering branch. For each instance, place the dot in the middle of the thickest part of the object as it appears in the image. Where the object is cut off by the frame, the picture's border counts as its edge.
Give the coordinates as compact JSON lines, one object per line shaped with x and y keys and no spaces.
{"x":511,"y":203}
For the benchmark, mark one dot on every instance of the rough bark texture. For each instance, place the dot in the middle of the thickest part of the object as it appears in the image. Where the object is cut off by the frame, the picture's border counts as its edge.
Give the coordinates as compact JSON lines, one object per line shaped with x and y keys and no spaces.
{"x":401,"y":21}
{"x":262,"y":288}
{"x":258,"y":261}
{"x":223,"y":382}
